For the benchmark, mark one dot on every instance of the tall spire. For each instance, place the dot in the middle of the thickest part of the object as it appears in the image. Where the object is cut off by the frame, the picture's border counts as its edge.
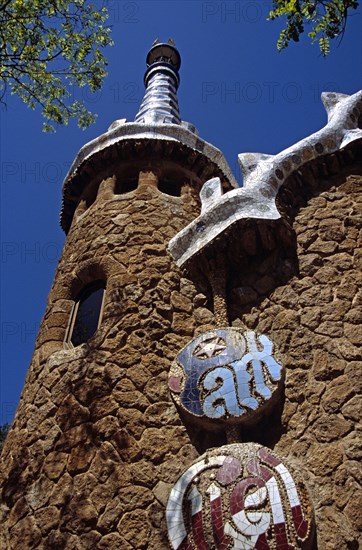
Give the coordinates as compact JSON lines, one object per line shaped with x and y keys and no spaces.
{"x":157,"y":125}
{"x":160,"y":104}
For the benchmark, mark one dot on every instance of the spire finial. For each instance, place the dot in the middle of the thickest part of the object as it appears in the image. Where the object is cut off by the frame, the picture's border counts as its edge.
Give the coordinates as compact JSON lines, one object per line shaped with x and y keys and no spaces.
{"x":160,"y":104}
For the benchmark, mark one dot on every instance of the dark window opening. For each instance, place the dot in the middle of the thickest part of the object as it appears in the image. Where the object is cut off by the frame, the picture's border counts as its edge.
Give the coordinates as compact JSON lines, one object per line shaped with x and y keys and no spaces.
{"x":89,"y":196}
{"x":126,"y":186}
{"x":170,"y":188}
{"x":86,"y":314}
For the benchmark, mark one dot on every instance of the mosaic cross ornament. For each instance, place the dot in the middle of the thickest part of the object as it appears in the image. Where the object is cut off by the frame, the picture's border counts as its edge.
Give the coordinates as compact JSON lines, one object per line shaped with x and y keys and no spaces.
{"x":226,"y":375}
{"x":240,"y":496}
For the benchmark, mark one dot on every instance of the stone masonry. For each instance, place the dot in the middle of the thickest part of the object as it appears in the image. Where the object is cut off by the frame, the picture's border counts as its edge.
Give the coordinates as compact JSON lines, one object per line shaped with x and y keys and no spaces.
{"x":315,"y":319}
{"x":96,"y":442}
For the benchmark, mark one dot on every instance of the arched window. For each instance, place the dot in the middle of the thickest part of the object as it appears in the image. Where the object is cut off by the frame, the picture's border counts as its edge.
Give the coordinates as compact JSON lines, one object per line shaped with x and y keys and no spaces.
{"x":86,"y":314}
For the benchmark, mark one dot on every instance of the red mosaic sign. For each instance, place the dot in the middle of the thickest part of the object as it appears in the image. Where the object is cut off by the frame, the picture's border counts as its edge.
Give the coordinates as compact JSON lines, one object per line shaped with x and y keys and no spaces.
{"x":240,"y":496}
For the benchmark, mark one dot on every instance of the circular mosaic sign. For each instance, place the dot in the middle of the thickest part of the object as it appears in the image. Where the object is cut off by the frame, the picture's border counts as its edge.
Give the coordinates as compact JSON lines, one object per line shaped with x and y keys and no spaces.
{"x":226,"y":375}
{"x":239,"y":496}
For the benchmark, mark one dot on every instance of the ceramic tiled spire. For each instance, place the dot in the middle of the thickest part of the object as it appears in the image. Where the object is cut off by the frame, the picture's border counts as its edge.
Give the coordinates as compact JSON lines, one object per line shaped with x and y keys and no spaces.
{"x":160,"y":104}
{"x":157,"y":123}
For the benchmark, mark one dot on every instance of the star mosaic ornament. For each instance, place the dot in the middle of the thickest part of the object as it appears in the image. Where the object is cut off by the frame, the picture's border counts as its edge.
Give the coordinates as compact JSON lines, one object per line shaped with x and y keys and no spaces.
{"x":210,"y":348}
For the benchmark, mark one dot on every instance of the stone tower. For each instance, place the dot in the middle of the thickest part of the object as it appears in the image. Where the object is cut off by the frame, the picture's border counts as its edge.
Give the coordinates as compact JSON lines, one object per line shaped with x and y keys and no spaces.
{"x":195,"y":382}
{"x":95,"y":432}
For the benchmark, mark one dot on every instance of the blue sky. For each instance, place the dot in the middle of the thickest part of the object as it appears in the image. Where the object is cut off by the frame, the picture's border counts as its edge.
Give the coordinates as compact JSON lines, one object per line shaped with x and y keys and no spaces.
{"x":241,"y":94}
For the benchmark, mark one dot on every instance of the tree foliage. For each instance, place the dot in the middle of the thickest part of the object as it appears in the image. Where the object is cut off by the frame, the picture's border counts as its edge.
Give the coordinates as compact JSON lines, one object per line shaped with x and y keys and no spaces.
{"x":326,"y":18}
{"x":49,"y":47}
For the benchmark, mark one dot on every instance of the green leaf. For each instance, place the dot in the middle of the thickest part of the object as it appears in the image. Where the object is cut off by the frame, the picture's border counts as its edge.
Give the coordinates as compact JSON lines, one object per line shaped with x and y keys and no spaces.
{"x":47,"y":47}
{"x":325,"y":18}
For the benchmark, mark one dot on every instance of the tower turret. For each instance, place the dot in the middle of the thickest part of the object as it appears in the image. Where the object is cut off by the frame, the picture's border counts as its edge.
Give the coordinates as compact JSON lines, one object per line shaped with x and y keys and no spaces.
{"x":96,"y":441}
{"x":158,"y":140}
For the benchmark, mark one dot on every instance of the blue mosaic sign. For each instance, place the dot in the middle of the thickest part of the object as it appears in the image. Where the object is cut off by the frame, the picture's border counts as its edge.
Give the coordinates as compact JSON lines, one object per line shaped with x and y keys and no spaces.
{"x":227,"y":374}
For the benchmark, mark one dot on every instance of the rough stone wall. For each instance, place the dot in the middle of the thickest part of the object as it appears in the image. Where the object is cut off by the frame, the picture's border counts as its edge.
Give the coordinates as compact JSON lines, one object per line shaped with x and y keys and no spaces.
{"x":96,"y":443}
{"x":315,"y":319}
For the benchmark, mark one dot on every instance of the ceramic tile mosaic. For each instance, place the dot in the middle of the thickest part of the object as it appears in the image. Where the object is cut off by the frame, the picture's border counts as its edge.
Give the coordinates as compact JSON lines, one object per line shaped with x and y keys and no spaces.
{"x":158,"y":120}
{"x":263,"y":176}
{"x":226,"y":375}
{"x":122,"y":130}
{"x":239,"y":496}
{"x":161,"y":79}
